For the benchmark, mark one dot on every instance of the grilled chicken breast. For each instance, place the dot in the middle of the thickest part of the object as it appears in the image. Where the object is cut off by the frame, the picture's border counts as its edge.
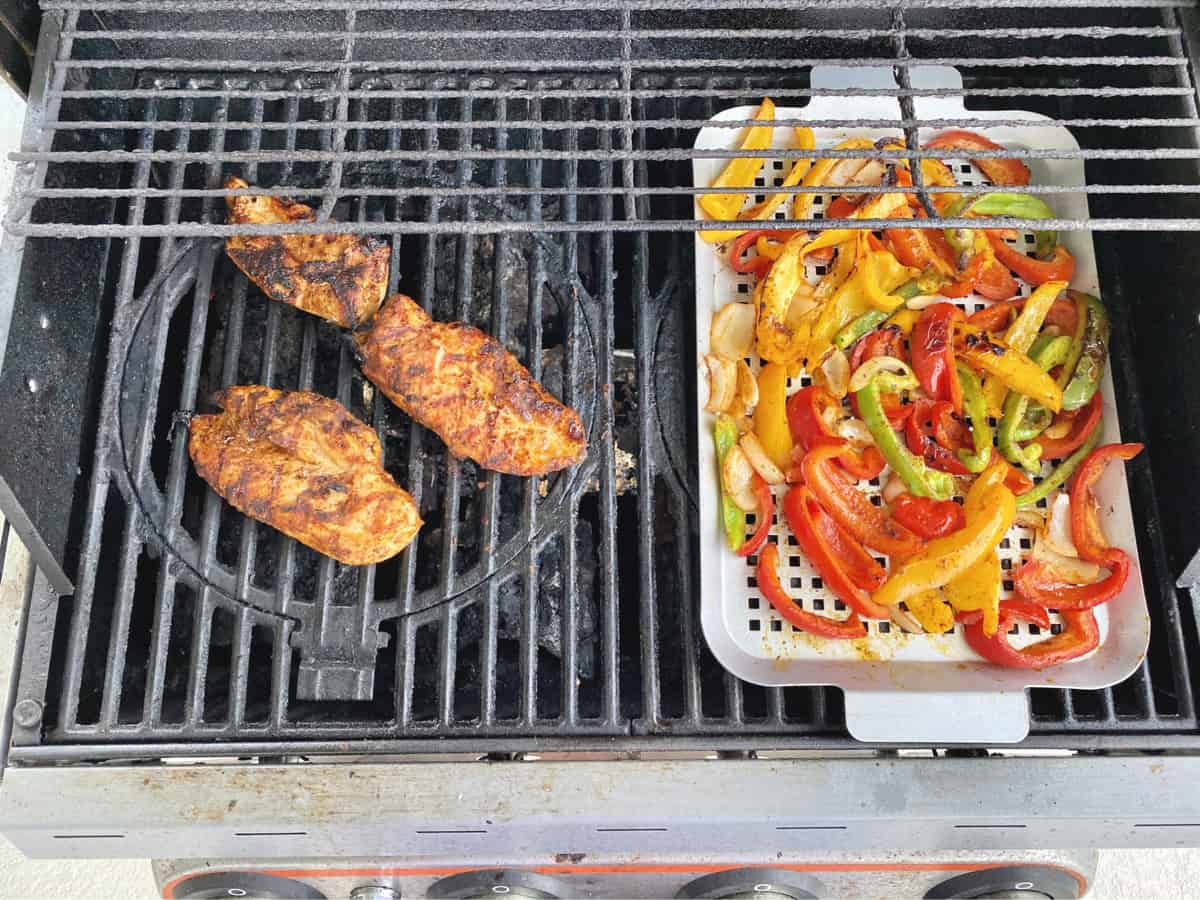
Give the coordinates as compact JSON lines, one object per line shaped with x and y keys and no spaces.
{"x":463,"y":384}
{"x":303,"y":464}
{"x":340,"y":277}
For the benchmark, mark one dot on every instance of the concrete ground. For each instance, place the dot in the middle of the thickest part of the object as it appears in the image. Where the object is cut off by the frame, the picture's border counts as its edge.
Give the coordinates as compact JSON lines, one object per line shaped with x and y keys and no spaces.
{"x":1123,"y":875}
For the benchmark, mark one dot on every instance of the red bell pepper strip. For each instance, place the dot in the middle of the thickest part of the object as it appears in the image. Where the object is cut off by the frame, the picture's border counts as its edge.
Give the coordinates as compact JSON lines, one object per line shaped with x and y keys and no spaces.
{"x":998,"y":170}
{"x":932,"y":347}
{"x":1035,"y":582}
{"x":806,"y":412}
{"x":994,"y":281}
{"x":766,"y":511}
{"x":841,"y":207}
{"x":1035,"y":271}
{"x":1083,"y":423}
{"x":1080,"y":636}
{"x":850,"y":507}
{"x":772,"y":589}
{"x":1017,"y":481}
{"x":927,"y":517}
{"x":857,"y":572}
{"x":1009,"y":610}
{"x":755,"y":265}
{"x":921,"y":433}
{"x":998,"y":316}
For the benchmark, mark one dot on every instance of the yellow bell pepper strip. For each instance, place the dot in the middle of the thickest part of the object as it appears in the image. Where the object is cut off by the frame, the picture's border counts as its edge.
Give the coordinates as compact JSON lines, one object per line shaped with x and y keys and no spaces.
{"x":770,"y":415}
{"x":921,"y":480}
{"x":1013,"y":369}
{"x":883,"y":275}
{"x":931,"y":611}
{"x":880,"y":206}
{"x":765,"y":211}
{"x":733,"y":520}
{"x":1021,"y":334}
{"x":819,"y":174}
{"x":992,"y":510}
{"x":904,"y":319}
{"x":741,"y":170}
{"x":978,"y":589}
{"x":876,"y":276}
{"x":775,"y":338}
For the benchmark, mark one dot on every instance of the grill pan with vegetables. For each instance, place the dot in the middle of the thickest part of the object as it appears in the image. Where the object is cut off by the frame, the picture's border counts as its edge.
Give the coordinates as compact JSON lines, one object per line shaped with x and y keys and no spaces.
{"x":921,"y":493}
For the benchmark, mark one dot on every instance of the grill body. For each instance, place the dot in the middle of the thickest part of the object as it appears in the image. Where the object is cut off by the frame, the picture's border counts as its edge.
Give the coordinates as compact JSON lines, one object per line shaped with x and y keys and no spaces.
{"x":532,"y":173}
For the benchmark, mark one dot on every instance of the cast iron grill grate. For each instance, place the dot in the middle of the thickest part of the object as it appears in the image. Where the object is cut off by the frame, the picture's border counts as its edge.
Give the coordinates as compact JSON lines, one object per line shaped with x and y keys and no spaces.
{"x":533,"y":179}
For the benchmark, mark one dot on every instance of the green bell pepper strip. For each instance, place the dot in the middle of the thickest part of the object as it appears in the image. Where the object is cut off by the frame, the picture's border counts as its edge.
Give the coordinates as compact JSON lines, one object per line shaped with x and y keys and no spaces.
{"x":733,"y":520}
{"x":975,"y":407}
{"x":872,"y":319}
{"x":1059,"y":476}
{"x":1016,"y":206}
{"x":1090,"y":368}
{"x":1048,"y":352}
{"x":920,"y":480}
{"x":1081,"y":319}
{"x":867,"y":322}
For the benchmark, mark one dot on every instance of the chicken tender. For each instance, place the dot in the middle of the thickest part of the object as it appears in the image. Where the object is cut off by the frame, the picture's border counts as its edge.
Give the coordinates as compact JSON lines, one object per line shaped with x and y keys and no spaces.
{"x":303,"y":464}
{"x":340,"y":277}
{"x":463,"y":384}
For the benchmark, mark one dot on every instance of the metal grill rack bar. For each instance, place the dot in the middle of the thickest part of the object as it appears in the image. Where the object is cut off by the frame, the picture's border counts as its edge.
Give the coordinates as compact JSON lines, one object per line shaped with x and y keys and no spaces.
{"x":534,"y":181}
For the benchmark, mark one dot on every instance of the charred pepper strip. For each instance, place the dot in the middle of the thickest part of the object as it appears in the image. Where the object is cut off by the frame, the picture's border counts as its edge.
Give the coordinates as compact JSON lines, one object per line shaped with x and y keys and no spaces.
{"x":1059,"y":476}
{"x":1090,"y":368}
{"x":920,"y":479}
{"x":975,"y":408}
{"x":733,"y":520}
{"x":1080,"y":301}
{"x":1047,"y":351}
{"x":872,"y":318}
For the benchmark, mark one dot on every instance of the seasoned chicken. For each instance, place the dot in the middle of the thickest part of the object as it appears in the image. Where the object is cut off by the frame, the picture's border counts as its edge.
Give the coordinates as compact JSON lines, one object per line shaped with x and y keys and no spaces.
{"x":464,"y":385}
{"x":340,"y":277}
{"x":303,"y":464}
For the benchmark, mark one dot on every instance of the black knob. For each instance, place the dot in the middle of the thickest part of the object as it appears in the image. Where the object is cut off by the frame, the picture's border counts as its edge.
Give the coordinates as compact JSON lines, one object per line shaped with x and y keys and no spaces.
{"x":1016,"y":882}
{"x":759,"y":883}
{"x":248,"y":885}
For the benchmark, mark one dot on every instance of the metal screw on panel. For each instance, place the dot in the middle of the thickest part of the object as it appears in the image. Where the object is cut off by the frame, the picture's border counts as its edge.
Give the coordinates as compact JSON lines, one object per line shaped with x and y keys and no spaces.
{"x":27,"y":714}
{"x":374,"y":892}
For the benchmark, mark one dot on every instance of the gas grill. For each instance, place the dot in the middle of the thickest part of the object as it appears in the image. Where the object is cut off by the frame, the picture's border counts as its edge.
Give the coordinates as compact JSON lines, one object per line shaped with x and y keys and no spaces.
{"x":529,"y":163}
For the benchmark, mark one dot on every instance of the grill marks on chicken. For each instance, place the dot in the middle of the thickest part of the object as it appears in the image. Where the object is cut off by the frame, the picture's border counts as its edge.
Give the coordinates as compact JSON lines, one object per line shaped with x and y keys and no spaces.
{"x":303,"y":464}
{"x":461,"y":383}
{"x":340,"y":277}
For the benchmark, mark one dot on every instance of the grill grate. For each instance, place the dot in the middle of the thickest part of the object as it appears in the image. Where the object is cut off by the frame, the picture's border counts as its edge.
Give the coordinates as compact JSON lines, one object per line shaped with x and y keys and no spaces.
{"x":534,"y":181}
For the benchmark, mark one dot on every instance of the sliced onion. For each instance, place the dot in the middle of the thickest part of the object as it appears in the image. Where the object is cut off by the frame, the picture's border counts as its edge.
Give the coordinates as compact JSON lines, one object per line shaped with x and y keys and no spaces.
{"x":722,"y":383}
{"x":865,"y":373}
{"x":762,"y":463}
{"x":894,"y":488}
{"x":732,"y":331}
{"x":744,"y":424}
{"x":922,"y":300}
{"x":844,"y":172}
{"x":855,"y":431}
{"x":737,"y":476}
{"x":747,"y":388}
{"x":1059,"y":428}
{"x":906,"y":620}
{"x":870,"y":174}
{"x":1058,"y":527}
{"x":1065,"y":568}
{"x":835,"y":373}
{"x":1029,"y":517}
